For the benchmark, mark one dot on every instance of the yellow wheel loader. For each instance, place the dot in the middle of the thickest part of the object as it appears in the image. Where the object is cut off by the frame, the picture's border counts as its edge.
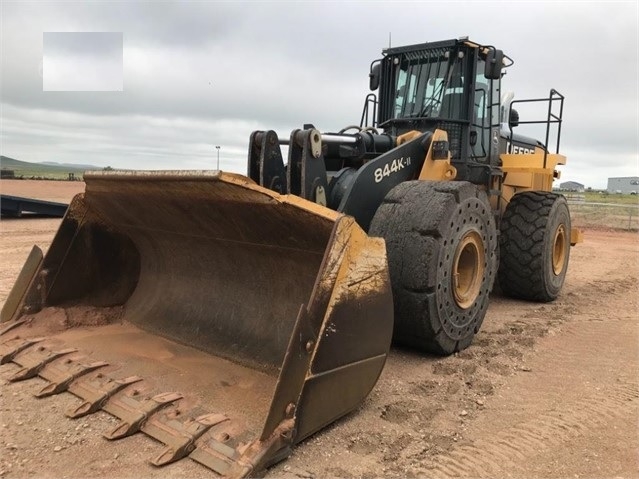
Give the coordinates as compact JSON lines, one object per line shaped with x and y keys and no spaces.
{"x":230,"y":317}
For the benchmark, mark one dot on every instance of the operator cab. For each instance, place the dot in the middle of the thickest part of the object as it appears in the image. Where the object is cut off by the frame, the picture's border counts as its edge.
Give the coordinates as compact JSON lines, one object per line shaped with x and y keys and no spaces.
{"x":452,"y":85}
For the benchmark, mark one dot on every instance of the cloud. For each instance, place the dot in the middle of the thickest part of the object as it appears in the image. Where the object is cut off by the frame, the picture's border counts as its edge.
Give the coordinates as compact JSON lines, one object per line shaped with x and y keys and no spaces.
{"x":82,"y":61}
{"x":201,"y":74}
{"x":90,"y":44}
{"x":159,"y":143}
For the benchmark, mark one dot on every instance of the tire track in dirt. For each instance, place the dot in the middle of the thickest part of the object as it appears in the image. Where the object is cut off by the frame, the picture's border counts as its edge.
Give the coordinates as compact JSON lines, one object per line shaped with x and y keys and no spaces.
{"x":439,"y":400}
{"x":507,"y":450}
{"x":565,"y":394}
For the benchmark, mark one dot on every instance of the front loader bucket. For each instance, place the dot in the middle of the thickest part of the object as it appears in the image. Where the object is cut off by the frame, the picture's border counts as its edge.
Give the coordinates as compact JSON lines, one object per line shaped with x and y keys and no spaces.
{"x":230,"y":322}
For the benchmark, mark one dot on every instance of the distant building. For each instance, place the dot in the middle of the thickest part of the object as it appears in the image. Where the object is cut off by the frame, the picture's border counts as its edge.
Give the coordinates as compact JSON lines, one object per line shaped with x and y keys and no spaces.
{"x":572,"y":186}
{"x":626,"y":184}
{"x":7,"y":173}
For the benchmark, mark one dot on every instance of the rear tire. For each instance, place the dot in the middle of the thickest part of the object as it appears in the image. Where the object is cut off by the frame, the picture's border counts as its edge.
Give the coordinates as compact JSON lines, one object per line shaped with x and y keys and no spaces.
{"x":441,"y":243}
{"x":534,"y":246}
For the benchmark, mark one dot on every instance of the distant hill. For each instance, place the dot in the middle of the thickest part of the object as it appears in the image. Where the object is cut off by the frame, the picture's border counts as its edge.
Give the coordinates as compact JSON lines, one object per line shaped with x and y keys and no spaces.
{"x":46,"y":170}
{"x":72,"y":165}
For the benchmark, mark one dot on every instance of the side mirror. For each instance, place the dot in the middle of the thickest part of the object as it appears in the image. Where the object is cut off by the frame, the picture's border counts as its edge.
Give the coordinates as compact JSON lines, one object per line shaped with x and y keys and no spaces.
{"x":513,"y":121}
{"x":494,"y":64}
{"x":374,"y":76}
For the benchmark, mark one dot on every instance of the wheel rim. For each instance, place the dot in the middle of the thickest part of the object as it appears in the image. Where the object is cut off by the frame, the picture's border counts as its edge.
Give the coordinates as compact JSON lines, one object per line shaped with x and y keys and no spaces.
{"x":468,"y":269}
{"x":559,"y":250}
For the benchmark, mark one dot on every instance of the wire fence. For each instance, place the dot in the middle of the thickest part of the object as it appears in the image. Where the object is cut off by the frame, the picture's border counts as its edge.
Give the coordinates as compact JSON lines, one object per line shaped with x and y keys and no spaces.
{"x":619,"y":216}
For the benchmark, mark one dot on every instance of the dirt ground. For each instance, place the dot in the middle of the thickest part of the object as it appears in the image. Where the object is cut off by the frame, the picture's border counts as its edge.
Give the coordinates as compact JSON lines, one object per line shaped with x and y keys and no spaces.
{"x":546,"y":390}
{"x":61,"y":191}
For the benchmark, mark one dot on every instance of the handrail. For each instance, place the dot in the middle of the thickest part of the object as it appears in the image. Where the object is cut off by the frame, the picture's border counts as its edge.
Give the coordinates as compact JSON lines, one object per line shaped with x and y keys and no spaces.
{"x":551,"y":118}
{"x":370,"y":98}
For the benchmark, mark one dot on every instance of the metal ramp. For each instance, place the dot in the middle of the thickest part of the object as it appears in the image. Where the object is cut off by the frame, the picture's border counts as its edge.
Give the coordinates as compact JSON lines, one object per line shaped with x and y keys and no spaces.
{"x":20,"y":207}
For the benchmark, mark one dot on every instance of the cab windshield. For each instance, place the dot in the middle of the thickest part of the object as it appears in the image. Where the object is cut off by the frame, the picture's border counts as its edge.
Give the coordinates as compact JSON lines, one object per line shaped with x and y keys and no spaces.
{"x":429,"y":86}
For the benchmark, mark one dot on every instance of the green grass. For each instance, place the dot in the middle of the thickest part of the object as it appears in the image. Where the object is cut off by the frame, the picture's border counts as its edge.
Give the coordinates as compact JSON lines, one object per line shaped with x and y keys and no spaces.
{"x":589,"y":215}
{"x":26,"y":170}
{"x":613,"y":211}
{"x":620,"y":199}
{"x":601,"y":197}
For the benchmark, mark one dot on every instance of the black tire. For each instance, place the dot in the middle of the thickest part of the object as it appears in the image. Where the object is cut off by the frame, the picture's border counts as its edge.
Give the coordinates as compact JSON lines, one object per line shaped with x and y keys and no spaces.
{"x":534,"y":246}
{"x":432,"y":229}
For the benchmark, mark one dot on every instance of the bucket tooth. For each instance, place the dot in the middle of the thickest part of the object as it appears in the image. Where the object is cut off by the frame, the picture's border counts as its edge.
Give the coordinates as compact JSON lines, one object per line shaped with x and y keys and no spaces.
{"x":215,"y":454}
{"x":12,"y":325}
{"x":34,"y":360}
{"x":96,"y":391}
{"x":134,"y":412}
{"x":179,"y":435}
{"x":11,"y":348}
{"x":61,"y":374}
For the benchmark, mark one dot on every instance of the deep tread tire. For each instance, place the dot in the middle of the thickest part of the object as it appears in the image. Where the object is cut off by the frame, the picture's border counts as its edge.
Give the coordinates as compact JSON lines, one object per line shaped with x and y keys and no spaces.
{"x":535,"y":232}
{"x":426,"y":225}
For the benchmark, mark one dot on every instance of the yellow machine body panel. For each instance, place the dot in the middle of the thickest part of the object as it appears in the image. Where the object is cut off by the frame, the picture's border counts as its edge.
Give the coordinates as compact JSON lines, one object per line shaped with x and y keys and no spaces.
{"x":532,"y":171}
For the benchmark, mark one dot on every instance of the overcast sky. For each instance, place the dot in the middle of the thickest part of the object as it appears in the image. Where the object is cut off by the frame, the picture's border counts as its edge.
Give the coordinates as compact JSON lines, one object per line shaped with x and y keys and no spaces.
{"x":86,"y":61}
{"x":201,"y":74}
